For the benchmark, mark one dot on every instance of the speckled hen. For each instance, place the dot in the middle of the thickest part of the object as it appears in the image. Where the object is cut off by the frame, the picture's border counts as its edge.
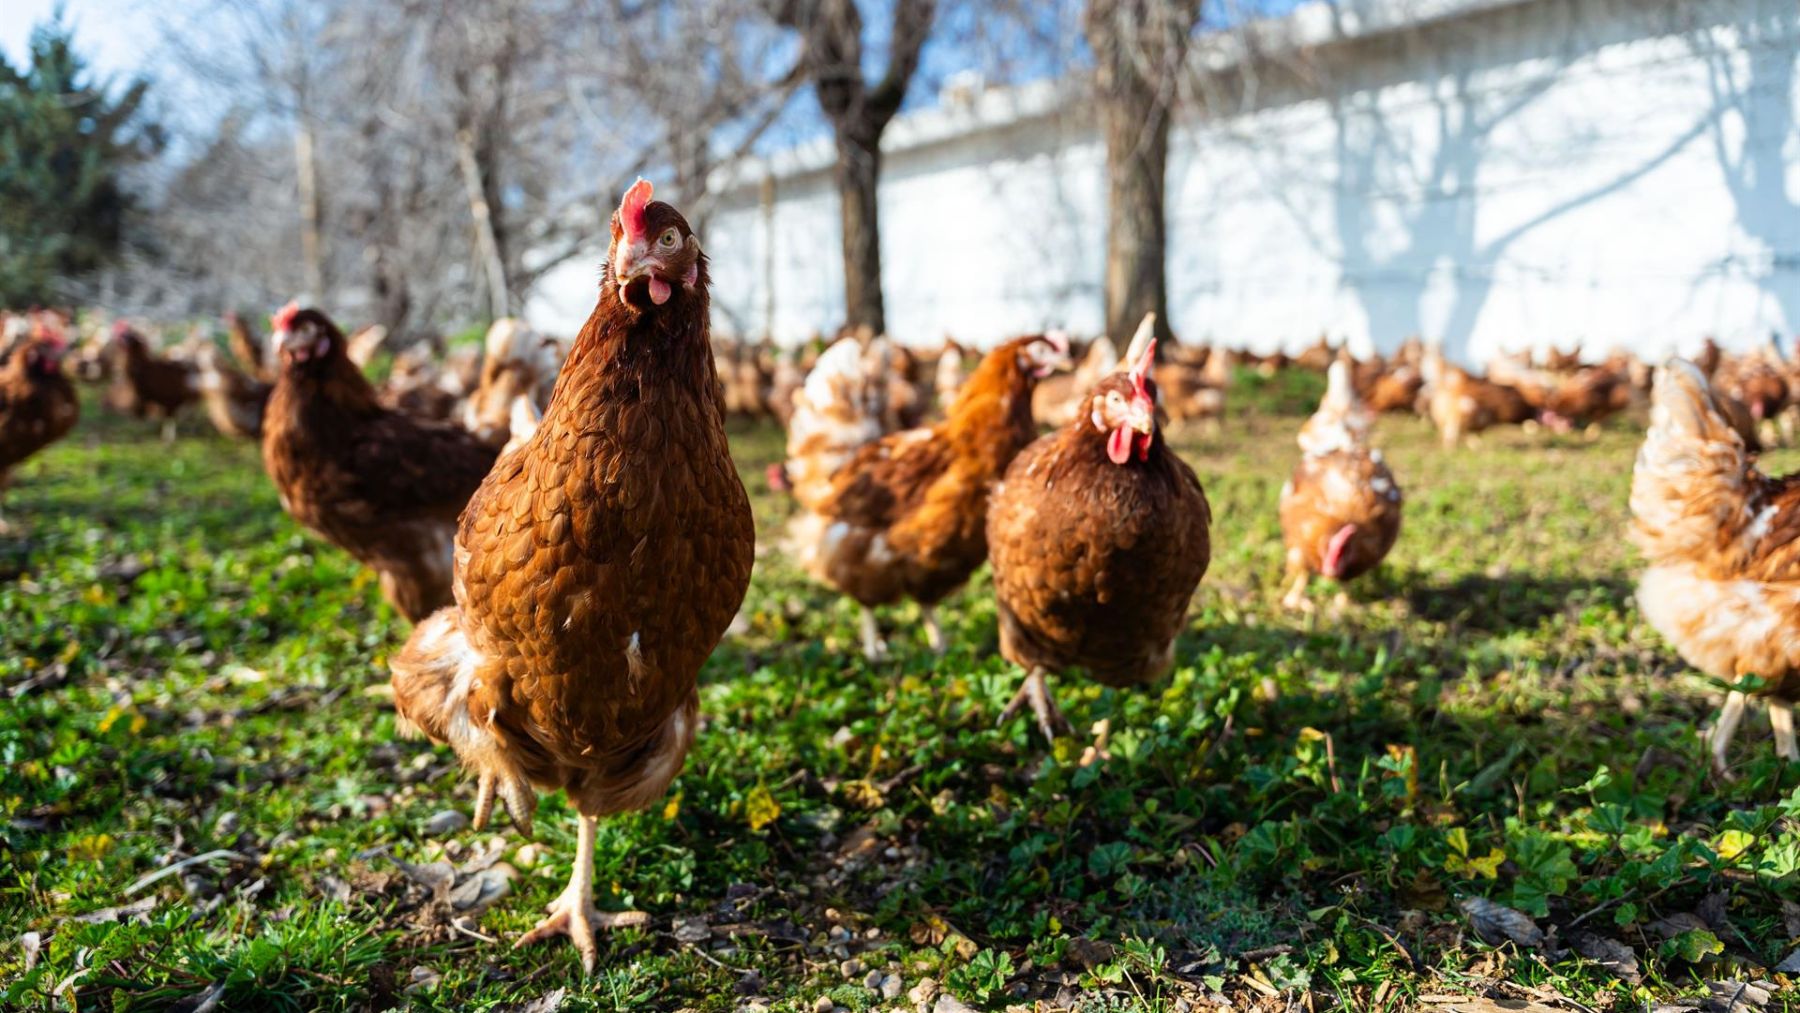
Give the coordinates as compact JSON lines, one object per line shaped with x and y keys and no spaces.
{"x":1723,"y":543}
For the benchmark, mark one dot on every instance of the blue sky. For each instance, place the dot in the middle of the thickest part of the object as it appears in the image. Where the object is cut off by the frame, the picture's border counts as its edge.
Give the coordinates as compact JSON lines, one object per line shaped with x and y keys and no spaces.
{"x":115,"y":34}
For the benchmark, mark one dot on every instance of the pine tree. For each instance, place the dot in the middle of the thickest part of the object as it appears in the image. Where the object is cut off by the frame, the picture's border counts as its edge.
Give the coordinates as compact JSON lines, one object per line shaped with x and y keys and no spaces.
{"x":65,"y":146}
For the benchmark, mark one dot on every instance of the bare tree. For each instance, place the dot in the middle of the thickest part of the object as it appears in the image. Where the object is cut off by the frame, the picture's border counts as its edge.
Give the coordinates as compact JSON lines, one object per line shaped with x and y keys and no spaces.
{"x":831,"y":46}
{"x":1138,"y":48}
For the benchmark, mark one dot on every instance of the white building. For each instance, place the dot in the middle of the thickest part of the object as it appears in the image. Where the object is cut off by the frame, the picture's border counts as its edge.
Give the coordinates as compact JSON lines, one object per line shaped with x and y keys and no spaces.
{"x":1488,"y":173}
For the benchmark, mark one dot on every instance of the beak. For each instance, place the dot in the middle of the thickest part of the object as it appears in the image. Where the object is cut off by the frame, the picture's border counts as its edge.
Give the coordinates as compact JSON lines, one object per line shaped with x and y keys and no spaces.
{"x":1143,"y":417}
{"x":629,"y":263}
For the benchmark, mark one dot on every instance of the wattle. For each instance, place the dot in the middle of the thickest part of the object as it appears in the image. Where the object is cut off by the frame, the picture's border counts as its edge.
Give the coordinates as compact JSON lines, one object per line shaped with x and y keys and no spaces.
{"x":1119,"y":445}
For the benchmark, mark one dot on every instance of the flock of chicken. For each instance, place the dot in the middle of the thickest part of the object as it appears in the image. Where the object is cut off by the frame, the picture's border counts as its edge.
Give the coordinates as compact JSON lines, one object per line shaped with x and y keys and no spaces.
{"x":571,"y":538}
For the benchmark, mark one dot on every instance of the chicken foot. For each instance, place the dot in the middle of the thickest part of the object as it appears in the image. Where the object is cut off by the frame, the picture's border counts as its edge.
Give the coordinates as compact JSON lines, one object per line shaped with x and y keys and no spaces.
{"x":1722,"y":732}
{"x":1036,"y":692}
{"x":572,"y":914}
{"x":1295,"y":599}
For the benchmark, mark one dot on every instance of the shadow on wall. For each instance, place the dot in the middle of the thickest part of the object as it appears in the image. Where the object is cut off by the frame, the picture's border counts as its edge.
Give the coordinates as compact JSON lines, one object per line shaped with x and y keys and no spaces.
{"x":1406,"y":218}
{"x":1751,"y":137}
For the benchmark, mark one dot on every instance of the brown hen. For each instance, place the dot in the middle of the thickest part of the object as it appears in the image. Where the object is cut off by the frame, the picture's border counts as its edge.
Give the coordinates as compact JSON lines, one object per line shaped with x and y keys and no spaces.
{"x":1099,"y":536}
{"x":377,"y":483}
{"x":597,"y":567}
{"x":1340,"y":512}
{"x":38,"y":405}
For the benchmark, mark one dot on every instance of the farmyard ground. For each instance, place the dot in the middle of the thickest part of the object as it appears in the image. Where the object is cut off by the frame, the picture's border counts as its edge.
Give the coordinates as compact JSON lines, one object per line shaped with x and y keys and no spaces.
{"x":1485,"y":719}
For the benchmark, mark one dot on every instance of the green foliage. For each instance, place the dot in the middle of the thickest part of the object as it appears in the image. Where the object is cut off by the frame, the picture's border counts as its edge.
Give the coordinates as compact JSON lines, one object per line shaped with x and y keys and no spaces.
{"x":1485,"y":716}
{"x":65,"y":145}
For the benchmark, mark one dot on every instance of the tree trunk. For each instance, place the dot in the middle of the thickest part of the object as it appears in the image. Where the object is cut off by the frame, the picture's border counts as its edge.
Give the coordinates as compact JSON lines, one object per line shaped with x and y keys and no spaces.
{"x":858,"y":173}
{"x":487,"y":241}
{"x":1137,"y":152}
{"x":312,"y":253}
{"x":1139,"y":48}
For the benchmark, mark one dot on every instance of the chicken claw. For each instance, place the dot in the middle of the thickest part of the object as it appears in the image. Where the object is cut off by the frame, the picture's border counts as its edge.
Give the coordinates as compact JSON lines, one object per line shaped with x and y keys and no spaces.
{"x":572,"y":913}
{"x":516,"y":797}
{"x":1036,"y":691}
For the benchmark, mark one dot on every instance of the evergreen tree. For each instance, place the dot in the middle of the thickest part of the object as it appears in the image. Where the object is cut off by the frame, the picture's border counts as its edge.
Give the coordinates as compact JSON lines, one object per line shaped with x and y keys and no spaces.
{"x":65,"y":145}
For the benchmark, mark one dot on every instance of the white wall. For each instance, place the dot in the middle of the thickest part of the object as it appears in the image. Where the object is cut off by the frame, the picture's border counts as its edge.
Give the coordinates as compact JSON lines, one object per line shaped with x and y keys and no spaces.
{"x":1548,"y":172}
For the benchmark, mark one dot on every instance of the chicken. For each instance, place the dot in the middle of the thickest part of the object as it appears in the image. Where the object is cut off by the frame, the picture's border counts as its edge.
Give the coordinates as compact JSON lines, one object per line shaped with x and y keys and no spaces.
{"x":1460,"y":404}
{"x":234,"y":402}
{"x":1099,"y":536}
{"x":145,"y":385}
{"x":841,"y":407}
{"x":377,"y":483}
{"x":1588,"y":396}
{"x":1340,"y":512}
{"x":362,"y":345}
{"x":1723,"y":545}
{"x":597,"y":567}
{"x":1058,"y":399}
{"x":948,"y":377}
{"x":248,"y":349}
{"x":907,"y":399}
{"x":1389,"y":387}
{"x":519,"y":362}
{"x":1191,"y":382}
{"x":38,"y":405}
{"x":1316,"y":357}
{"x":785,"y":380}
{"x":422,"y":387}
{"x":905,"y":516}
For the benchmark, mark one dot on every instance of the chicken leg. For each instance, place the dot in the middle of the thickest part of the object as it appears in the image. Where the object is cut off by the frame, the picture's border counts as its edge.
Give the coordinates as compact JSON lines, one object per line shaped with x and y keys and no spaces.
{"x":572,"y":914}
{"x":934,"y":634}
{"x":1781,"y":716}
{"x":1295,"y":599}
{"x":874,"y":648}
{"x":1036,"y":692}
{"x":1726,"y":728}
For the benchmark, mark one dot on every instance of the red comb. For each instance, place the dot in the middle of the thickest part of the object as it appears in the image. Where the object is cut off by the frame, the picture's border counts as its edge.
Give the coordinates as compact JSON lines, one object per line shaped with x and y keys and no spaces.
{"x":120,"y":327}
{"x":631,"y":209}
{"x":283,"y":318}
{"x":1140,"y":370}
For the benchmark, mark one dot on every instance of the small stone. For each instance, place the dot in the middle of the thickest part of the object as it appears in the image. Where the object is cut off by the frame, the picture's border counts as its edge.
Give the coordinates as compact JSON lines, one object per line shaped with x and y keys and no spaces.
{"x":891,"y":987}
{"x":839,"y":934}
{"x":923,"y":993}
{"x":753,"y":1007}
{"x":692,"y":930}
{"x":823,"y":1004}
{"x":750,"y":984}
{"x":197,"y":886}
{"x":872,"y":981}
{"x":951,"y":1004}
{"x":527,"y":856}
{"x":853,"y":967}
{"x":447,"y":821}
{"x":226,"y":825}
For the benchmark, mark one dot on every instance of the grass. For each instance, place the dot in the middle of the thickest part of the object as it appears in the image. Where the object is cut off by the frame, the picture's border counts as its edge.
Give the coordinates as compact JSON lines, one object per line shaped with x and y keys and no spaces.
{"x":1486,"y":718}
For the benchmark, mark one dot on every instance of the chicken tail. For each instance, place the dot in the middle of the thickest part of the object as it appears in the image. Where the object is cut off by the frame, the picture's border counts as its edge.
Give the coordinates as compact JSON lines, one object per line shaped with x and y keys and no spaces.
{"x":433,"y":677}
{"x":1694,"y":497}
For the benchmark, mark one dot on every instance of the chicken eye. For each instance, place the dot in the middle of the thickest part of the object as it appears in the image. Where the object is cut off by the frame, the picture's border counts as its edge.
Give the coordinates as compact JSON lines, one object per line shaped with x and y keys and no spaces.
{"x":668,"y":239}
